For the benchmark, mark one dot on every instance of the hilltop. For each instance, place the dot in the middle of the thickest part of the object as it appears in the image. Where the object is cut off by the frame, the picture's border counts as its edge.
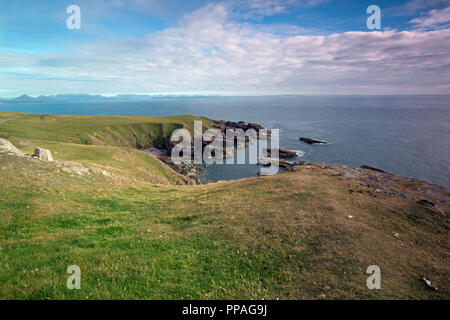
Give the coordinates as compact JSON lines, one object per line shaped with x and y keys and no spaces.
{"x":138,"y":230}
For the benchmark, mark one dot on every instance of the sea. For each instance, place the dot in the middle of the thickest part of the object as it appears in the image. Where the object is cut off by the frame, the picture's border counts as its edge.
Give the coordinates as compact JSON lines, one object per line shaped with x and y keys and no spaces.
{"x":405,"y":135}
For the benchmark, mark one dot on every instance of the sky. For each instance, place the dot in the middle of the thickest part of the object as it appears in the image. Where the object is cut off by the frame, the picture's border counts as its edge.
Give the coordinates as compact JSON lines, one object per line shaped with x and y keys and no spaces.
{"x":231,"y":47}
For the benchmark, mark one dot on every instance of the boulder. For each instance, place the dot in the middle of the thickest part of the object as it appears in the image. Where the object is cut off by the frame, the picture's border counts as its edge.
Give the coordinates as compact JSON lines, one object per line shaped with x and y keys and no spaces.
{"x":312,"y":141}
{"x":8,"y":147}
{"x":43,"y":154}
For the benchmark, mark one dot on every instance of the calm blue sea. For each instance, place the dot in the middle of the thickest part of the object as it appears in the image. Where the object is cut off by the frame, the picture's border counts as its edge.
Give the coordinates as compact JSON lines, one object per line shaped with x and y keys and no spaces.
{"x":406,"y":135}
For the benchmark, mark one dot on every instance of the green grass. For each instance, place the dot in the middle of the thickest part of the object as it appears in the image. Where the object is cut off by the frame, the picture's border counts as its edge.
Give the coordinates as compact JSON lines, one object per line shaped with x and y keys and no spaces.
{"x":126,"y":131}
{"x":129,"y":244}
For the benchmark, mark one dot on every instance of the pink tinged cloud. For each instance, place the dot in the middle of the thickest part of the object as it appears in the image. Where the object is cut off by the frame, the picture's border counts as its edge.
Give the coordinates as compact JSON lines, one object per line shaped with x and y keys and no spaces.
{"x":208,"y":53}
{"x":433,"y":19}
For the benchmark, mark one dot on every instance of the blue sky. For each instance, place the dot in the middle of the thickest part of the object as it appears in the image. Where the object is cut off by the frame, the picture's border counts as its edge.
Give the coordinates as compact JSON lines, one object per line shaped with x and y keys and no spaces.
{"x":235,"y":47}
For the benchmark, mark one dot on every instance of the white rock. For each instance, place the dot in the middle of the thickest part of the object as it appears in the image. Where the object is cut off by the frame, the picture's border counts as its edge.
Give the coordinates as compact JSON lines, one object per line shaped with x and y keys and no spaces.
{"x":43,"y":154}
{"x":429,"y":284}
{"x":80,"y":170}
{"x":6,"y":146}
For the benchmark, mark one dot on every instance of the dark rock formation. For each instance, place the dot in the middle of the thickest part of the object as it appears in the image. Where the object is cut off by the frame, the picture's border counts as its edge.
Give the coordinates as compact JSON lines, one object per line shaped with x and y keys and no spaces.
{"x":281,"y":163}
{"x":372,"y":168}
{"x":223,"y":125}
{"x":282,"y":153}
{"x":312,"y":141}
{"x":163,"y":149}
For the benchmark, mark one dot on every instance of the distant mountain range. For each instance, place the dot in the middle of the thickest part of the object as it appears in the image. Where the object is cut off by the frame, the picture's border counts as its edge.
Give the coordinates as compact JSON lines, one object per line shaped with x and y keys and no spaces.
{"x":92,"y":98}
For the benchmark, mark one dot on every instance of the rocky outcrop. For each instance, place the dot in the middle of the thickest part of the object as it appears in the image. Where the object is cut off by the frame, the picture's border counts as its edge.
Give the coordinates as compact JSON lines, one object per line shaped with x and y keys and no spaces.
{"x":312,"y":141}
{"x":43,"y":154}
{"x":281,"y":163}
{"x":8,"y":147}
{"x":223,"y":125}
{"x":379,"y":181}
{"x":372,"y":168}
{"x":255,"y":126}
{"x":282,"y":153}
{"x":191,"y":171}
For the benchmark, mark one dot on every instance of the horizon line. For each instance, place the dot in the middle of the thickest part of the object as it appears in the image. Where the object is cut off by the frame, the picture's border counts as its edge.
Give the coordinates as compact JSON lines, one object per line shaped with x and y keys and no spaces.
{"x":173,"y":95}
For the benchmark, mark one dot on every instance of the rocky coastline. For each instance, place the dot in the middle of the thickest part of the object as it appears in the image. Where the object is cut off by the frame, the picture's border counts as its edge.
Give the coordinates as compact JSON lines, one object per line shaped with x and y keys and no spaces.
{"x":192,"y":171}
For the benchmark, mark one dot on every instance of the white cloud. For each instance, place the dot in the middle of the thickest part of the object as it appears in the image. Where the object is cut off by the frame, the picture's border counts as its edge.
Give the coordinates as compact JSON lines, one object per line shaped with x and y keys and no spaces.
{"x":261,"y":8}
{"x":267,"y":7}
{"x":208,"y":53}
{"x":433,"y":19}
{"x":413,"y":7}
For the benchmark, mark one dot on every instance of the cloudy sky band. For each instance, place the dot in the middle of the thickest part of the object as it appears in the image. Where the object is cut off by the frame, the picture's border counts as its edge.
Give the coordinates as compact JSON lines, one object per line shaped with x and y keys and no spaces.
{"x":231,"y":48}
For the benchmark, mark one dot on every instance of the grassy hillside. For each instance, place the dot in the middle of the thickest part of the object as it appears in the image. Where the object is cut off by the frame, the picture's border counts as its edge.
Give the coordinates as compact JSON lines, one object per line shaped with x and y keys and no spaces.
{"x":125,"y":131}
{"x":110,"y":143}
{"x":287,"y":236}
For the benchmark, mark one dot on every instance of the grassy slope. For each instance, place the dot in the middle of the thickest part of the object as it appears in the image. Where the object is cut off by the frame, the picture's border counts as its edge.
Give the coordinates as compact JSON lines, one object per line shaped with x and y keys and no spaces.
{"x":108,"y":142}
{"x":285,"y":236}
{"x":126,"y":131}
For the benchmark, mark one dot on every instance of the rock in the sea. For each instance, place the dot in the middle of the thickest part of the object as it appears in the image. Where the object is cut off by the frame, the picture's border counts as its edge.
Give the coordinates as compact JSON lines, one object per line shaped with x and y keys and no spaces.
{"x":8,"y":147}
{"x":43,"y":154}
{"x":284,"y":164}
{"x":265,"y":162}
{"x":282,"y":153}
{"x":312,"y":141}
